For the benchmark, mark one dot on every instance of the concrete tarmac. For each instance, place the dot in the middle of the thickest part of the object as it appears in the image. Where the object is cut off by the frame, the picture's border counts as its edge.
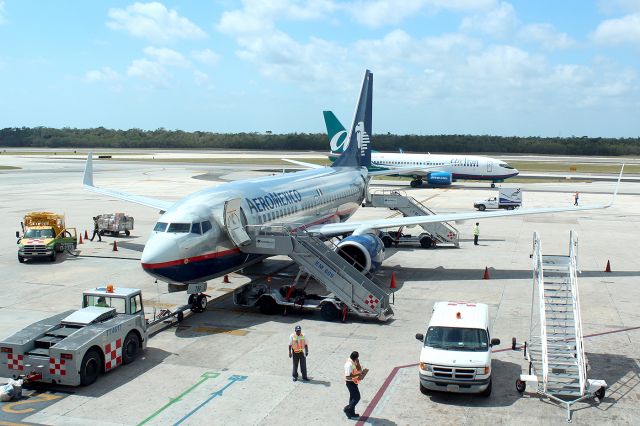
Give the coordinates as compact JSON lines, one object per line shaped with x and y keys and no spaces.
{"x":229,"y":365}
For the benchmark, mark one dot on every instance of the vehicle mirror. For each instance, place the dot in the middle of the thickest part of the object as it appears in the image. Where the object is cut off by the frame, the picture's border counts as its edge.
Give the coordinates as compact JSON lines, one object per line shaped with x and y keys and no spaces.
{"x":17,"y":234}
{"x":495,"y":342}
{"x":420,"y":337}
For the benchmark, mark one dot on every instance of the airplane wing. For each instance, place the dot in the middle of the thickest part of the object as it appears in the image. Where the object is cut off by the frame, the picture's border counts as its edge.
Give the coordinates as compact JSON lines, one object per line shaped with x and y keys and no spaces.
{"x":302,"y":163}
{"x":401,"y":171}
{"x":87,"y":182}
{"x":368,"y":226}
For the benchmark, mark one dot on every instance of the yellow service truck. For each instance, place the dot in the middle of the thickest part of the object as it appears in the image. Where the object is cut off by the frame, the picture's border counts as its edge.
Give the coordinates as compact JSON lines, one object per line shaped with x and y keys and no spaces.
{"x":44,"y":235}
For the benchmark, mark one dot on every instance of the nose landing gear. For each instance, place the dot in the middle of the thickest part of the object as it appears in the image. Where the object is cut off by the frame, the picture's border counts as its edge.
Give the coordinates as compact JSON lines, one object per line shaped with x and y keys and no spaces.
{"x":198,"y":302}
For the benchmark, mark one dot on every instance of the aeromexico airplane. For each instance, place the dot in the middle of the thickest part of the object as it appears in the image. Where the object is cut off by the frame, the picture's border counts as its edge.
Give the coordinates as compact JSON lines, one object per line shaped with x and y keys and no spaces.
{"x":200,"y":236}
{"x":436,"y":169}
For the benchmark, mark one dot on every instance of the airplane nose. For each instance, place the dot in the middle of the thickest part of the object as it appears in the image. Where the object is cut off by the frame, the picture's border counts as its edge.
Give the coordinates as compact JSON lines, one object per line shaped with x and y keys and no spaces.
{"x":158,"y":252}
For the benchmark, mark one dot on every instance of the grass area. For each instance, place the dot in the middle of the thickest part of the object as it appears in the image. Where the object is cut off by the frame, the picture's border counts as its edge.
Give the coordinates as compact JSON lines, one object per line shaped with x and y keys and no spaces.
{"x":538,"y":166}
{"x":241,"y":160}
{"x":8,"y":168}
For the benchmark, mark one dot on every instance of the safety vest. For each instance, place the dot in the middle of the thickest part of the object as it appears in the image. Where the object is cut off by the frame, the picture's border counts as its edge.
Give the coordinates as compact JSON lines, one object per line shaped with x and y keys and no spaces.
{"x":476,"y":230}
{"x":354,"y":372}
{"x":297,"y":342}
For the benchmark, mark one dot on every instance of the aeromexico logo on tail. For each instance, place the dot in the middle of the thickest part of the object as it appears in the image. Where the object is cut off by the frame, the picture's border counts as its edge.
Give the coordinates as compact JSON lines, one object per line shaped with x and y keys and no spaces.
{"x":340,"y":142}
{"x":363,"y":138}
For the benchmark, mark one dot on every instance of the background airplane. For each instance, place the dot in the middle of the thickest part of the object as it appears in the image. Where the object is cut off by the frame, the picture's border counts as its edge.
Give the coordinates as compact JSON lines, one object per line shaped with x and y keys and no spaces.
{"x":435,"y":169}
{"x":200,"y":237}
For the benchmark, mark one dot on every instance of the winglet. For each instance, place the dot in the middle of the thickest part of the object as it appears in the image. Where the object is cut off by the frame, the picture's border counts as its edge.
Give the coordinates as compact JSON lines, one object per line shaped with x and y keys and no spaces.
{"x":87,"y":180}
{"x":613,"y":197}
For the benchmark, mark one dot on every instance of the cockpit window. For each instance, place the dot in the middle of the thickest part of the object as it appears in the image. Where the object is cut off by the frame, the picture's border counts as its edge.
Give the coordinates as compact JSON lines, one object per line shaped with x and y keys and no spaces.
{"x":195,"y":228}
{"x":179,"y":227}
{"x":160,"y":227}
{"x":505,"y":166}
{"x":206,"y":226}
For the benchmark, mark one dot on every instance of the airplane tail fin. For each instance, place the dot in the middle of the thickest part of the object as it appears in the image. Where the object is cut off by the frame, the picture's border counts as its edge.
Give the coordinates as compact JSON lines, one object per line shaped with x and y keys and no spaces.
{"x":357,"y":146}
{"x":336,"y":133}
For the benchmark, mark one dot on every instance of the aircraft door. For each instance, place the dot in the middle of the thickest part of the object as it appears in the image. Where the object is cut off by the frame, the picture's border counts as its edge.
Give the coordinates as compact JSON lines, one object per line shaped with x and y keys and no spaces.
{"x":235,"y":222}
{"x":489,"y":166}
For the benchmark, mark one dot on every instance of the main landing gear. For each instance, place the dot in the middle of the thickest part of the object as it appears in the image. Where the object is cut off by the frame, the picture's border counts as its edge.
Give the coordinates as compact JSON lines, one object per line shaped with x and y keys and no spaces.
{"x":416,"y":183}
{"x":198,"y":302}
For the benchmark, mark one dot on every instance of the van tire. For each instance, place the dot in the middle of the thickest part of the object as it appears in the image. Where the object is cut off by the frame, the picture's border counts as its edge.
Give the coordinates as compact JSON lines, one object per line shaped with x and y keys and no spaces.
{"x":482,"y":207}
{"x":329,"y":312}
{"x":90,"y":367}
{"x":130,"y":348}
{"x":426,"y":242}
{"x":487,"y":392}
{"x":268,"y":306}
{"x":20,"y":259}
{"x":424,"y":390}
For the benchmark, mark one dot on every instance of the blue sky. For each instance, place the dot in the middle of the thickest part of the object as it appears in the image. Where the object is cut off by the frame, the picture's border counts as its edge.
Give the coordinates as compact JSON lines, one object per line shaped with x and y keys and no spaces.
{"x":523,"y":68}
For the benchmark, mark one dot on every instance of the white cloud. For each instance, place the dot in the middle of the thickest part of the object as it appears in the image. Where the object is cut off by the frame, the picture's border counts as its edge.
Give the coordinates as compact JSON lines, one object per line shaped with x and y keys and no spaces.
{"x":3,"y":18}
{"x":260,"y":15}
{"x":165,"y":56}
{"x":154,"y":22}
{"x":499,"y":21}
{"x":625,"y":30}
{"x":206,"y":56}
{"x":616,"y":6}
{"x":547,"y":36}
{"x":201,"y":78}
{"x":150,"y":71}
{"x":104,"y":74}
{"x":378,"y":13}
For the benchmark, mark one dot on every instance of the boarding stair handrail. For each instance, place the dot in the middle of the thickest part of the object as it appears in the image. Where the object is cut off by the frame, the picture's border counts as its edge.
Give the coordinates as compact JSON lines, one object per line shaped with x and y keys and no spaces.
{"x":538,"y":276}
{"x":582,"y":364}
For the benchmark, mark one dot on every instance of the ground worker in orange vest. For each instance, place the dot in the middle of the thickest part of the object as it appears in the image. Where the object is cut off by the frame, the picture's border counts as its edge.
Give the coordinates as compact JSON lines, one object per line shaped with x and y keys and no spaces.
{"x":299,"y":351}
{"x":353,"y":375}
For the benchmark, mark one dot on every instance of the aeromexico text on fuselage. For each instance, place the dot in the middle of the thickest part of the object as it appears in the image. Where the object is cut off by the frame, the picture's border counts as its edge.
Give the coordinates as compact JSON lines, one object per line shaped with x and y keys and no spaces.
{"x":273,"y":200}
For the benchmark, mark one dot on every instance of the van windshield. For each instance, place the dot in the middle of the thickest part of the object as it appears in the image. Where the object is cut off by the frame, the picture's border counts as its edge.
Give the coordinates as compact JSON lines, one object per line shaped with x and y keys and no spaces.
{"x":457,"y":339}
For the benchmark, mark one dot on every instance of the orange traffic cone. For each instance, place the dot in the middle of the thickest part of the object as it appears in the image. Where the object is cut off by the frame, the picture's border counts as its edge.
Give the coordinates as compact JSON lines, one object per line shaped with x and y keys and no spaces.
{"x":86,"y":235}
{"x":80,"y":240}
{"x":486,"y":273}
{"x":225,"y":280}
{"x":115,"y":245}
{"x":608,"y":268}
{"x":393,"y":280}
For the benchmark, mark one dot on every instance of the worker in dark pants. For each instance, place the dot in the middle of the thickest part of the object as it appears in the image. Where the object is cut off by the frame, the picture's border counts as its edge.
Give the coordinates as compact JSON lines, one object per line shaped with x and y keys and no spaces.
{"x":299,"y":351}
{"x":353,"y":375}
{"x":96,"y":230}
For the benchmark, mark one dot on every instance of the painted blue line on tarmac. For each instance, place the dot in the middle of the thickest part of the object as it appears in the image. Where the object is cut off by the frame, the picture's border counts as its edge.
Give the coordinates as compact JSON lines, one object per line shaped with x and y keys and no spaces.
{"x":219,"y":392}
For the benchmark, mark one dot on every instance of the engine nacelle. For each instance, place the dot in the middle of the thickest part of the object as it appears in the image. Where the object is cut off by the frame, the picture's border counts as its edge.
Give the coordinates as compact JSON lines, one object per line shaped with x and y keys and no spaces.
{"x":365,"y":252}
{"x":439,"y":178}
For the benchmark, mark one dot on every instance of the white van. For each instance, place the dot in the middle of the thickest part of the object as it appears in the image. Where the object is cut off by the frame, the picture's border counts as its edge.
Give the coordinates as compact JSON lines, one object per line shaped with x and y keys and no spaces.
{"x":456,"y":355}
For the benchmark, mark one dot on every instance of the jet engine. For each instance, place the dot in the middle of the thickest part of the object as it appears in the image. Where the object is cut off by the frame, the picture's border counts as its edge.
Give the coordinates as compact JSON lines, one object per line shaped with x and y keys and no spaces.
{"x":365,"y":252}
{"x":439,"y":178}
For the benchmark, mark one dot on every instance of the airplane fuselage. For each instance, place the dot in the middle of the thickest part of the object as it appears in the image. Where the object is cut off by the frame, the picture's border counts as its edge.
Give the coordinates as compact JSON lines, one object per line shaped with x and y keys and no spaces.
{"x":190,"y":242}
{"x":459,"y":166}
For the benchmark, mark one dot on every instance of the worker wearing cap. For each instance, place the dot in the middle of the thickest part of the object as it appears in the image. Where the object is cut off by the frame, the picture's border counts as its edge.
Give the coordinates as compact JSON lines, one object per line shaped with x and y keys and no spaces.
{"x":299,"y":351}
{"x":353,"y":375}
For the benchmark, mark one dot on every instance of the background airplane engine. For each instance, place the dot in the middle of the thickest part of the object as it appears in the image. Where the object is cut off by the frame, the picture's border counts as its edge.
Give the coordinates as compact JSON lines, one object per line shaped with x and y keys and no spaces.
{"x":364,"y":252}
{"x":439,"y":178}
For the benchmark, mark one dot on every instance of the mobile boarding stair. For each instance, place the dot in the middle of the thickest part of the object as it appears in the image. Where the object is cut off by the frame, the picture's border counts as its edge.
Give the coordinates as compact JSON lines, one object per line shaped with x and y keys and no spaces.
{"x":440,"y":232}
{"x":555,"y":349}
{"x":361,"y":295}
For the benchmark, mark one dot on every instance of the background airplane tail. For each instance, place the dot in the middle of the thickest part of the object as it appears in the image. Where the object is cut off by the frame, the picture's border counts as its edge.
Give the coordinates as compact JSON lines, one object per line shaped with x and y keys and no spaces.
{"x":356,"y":151}
{"x":336,"y":133}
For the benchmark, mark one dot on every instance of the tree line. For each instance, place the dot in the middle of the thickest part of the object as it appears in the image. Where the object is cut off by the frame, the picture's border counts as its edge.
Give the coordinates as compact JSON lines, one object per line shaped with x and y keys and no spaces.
{"x":46,"y":137}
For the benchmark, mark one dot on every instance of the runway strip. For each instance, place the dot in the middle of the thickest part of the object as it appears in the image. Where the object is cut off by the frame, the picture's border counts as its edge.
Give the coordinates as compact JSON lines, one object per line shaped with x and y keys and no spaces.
{"x":376,"y":399}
